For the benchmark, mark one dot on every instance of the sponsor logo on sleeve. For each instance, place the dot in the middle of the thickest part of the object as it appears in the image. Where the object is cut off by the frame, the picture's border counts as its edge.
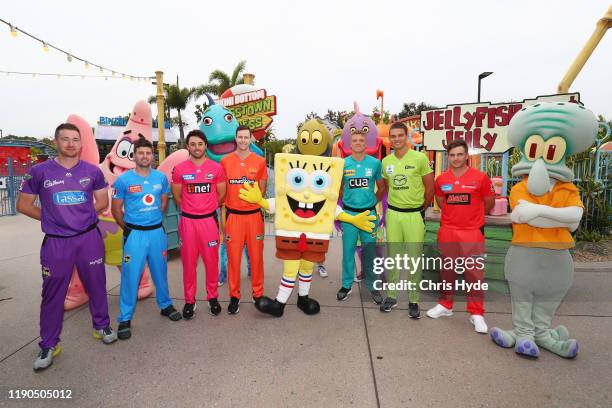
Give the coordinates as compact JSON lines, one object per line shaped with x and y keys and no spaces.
{"x":45,"y":271}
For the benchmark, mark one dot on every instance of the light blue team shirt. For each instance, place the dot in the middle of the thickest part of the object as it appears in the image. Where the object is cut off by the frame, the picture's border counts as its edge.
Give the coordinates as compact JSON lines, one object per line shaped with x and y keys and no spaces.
{"x":141,"y":196}
{"x":359,"y":179}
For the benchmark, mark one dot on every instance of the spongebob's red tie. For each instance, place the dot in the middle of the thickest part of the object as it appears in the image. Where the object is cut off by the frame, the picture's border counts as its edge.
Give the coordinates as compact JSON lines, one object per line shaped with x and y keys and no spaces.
{"x":302,"y":243}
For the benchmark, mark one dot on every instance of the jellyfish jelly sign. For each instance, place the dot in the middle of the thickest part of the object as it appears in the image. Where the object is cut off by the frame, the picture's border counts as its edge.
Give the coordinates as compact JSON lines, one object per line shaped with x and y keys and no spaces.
{"x":483,"y":126}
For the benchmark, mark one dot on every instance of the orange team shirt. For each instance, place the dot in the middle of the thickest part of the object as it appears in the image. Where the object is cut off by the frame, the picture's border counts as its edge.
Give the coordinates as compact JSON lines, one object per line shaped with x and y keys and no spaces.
{"x":237,"y":172}
{"x":562,"y":195}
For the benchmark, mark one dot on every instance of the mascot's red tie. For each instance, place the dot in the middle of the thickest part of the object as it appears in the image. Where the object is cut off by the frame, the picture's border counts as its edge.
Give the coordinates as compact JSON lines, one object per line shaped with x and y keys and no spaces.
{"x":302,"y":243}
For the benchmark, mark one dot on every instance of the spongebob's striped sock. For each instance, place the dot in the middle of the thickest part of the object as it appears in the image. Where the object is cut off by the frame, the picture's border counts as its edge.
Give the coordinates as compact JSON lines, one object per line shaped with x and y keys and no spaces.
{"x":285,"y":289}
{"x":305,"y":280}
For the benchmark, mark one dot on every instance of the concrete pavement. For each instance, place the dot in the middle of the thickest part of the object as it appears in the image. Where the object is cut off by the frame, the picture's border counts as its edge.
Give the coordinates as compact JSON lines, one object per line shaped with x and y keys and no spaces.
{"x":349,"y":355}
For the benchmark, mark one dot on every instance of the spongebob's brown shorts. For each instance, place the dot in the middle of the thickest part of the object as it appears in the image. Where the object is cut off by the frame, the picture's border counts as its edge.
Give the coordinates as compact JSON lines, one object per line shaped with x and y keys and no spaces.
{"x":287,"y":249}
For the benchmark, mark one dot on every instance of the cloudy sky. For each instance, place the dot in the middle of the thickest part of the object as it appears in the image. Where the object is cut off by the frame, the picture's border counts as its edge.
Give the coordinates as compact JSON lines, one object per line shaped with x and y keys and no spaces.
{"x":313,"y":55}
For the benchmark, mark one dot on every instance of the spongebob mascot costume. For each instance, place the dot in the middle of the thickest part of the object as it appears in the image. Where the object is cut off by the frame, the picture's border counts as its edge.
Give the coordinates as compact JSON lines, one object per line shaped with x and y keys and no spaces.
{"x":546,"y":208}
{"x":305,"y":203}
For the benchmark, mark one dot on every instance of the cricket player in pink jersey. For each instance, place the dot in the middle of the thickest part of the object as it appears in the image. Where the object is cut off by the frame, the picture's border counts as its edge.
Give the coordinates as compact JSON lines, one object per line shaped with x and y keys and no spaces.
{"x":198,"y":187}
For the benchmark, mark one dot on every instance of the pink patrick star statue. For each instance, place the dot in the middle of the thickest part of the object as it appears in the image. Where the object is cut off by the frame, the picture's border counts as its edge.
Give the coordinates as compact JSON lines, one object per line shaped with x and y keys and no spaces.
{"x":119,"y":160}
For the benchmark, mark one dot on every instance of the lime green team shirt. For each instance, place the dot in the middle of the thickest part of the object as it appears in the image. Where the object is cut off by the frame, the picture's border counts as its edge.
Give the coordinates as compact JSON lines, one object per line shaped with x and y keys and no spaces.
{"x":404,"y":177}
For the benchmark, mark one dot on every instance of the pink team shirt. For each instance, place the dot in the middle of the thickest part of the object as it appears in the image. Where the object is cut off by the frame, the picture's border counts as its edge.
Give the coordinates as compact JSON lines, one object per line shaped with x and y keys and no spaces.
{"x":198,"y":185}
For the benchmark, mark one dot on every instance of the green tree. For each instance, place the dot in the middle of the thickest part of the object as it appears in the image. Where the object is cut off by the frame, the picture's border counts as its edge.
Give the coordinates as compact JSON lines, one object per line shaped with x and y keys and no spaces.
{"x":219,"y":81}
{"x":176,"y":98}
{"x":412,"y":108}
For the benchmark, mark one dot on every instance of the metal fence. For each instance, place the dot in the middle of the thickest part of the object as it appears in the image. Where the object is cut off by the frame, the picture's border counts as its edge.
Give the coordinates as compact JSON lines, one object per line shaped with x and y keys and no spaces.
{"x":9,"y":187}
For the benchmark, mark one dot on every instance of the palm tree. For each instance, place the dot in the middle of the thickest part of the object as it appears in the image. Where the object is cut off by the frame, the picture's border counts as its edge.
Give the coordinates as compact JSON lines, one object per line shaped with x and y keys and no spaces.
{"x":219,"y":81}
{"x":176,"y":98}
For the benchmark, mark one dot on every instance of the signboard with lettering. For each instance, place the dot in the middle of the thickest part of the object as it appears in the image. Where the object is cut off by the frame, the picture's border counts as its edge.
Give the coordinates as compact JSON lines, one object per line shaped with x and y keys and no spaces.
{"x":483,"y":126}
{"x":253,"y":109}
{"x":122,"y":121}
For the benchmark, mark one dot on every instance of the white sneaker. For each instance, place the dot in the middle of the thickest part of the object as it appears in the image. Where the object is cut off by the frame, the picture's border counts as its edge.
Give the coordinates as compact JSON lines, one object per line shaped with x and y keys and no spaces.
{"x":479,"y":324}
{"x":439,"y":311}
{"x":322,"y":271}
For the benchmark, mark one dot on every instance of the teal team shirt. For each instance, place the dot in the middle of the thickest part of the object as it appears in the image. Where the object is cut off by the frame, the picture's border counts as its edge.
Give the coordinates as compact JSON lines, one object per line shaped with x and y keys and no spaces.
{"x":359,"y":178}
{"x":141,"y":196}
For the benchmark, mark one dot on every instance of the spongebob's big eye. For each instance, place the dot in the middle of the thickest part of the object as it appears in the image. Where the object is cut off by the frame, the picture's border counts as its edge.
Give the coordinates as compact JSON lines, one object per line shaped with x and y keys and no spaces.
{"x":353,"y":129}
{"x":228,"y":117}
{"x":534,"y":145}
{"x":304,"y":137}
{"x":554,"y":149}
{"x":365,"y":129}
{"x":123,"y":148}
{"x":320,"y":180}
{"x":297,"y":179}
{"x":317,"y":137}
{"x":207,"y":121}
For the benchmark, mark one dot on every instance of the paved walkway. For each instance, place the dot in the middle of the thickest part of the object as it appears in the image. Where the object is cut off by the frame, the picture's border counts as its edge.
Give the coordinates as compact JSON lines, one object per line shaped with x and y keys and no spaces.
{"x":349,"y":355}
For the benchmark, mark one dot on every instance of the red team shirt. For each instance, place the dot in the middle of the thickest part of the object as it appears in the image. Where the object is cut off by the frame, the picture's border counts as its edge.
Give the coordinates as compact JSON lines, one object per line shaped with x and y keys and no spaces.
{"x":199,"y":185}
{"x":463,"y":198}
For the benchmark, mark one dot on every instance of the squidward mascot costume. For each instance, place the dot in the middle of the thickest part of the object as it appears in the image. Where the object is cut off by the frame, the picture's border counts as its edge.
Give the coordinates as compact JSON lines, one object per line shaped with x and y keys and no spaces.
{"x":546,"y":208}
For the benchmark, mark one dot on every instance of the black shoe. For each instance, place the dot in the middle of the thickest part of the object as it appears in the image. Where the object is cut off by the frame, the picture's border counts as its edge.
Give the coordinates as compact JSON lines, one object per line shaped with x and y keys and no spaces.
{"x":343,"y":293}
{"x":234,"y":306}
{"x":272,"y":307}
{"x":189,"y":310}
{"x":414,"y":311}
{"x":307,"y":305}
{"x":123,"y":331}
{"x":171,"y":313}
{"x":214,"y":306}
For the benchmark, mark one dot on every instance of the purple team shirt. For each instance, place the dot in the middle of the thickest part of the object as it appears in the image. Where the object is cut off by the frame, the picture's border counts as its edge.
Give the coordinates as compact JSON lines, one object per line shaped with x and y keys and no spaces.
{"x":66,"y":195}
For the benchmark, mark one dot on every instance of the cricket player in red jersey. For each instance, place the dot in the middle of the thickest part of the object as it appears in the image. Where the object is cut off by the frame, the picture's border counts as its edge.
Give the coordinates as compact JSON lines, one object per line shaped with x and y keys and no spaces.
{"x":465,"y":195}
{"x":243,"y":221}
{"x":198,"y":187}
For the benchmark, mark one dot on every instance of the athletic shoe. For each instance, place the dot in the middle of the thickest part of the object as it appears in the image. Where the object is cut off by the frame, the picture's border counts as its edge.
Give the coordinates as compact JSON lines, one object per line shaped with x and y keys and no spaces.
{"x":343,"y":293}
{"x":234,"y":306}
{"x":214,"y":307}
{"x":376,"y":297}
{"x":388,"y":304}
{"x":123,"y":331}
{"x":414,"y":311}
{"x":358,"y":277}
{"x":45,"y":357}
{"x":189,"y":310}
{"x":479,"y":324}
{"x":322,"y":271}
{"x":107,"y":335}
{"x":171,"y":313}
{"x":439,"y":311}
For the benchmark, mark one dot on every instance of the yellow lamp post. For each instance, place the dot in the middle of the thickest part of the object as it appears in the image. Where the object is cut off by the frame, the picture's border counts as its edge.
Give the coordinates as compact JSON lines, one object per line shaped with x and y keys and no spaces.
{"x":161,"y":139}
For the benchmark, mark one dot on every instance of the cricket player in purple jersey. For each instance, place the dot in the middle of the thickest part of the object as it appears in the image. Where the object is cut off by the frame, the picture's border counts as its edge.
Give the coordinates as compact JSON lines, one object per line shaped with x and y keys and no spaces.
{"x":67,"y":188}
